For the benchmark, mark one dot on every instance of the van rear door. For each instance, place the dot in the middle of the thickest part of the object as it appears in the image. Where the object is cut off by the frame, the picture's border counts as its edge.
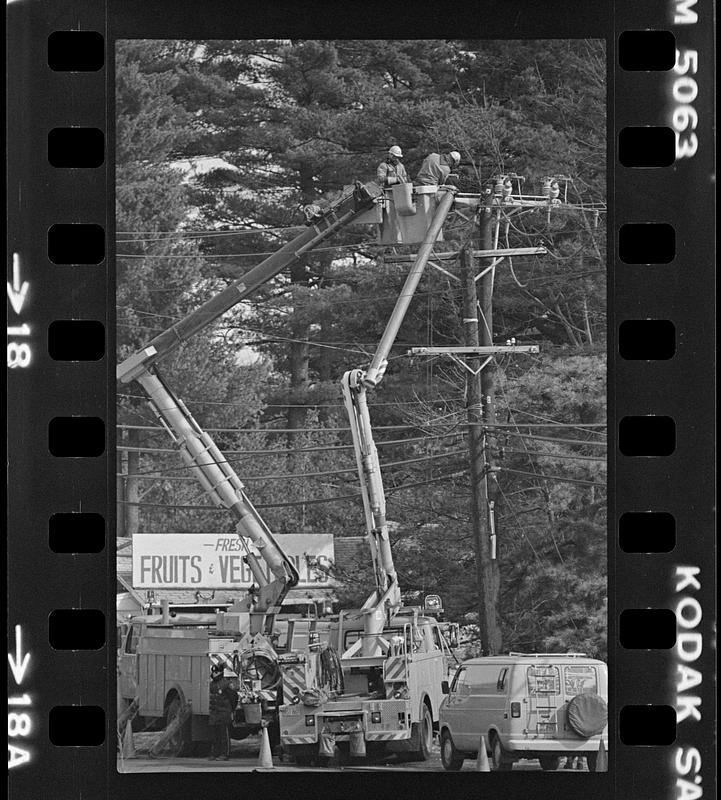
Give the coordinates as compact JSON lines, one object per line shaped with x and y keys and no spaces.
{"x":577,"y":679}
{"x":545,"y":699}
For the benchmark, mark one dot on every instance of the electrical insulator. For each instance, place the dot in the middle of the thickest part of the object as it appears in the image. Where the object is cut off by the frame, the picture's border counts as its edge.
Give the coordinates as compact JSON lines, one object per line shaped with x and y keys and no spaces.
{"x":498,"y":188}
{"x":546,"y":188}
{"x":507,"y":188}
{"x":555,"y":190}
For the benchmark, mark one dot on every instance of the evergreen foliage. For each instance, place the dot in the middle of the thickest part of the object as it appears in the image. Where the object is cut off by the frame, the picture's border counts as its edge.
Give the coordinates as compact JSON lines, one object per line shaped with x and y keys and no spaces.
{"x":231,"y":137}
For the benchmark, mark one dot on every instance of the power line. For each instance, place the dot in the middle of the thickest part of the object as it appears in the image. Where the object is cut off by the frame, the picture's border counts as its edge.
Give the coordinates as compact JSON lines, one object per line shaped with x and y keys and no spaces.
{"x":556,"y":439}
{"x":284,"y":451}
{"x":285,"y":476}
{"x":292,"y":430}
{"x":585,"y":426}
{"x":554,"y":478}
{"x":168,"y":236}
{"x":574,"y":456}
{"x":242,"y":255}
{"x":288,"y":405}
{"x":314,"y":501}
{"x":580,"y":425}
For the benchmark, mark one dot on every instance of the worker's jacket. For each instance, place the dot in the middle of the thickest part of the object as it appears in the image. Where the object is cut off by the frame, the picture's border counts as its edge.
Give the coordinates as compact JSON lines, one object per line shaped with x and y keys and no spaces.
{"x":434,"y":170}
{"x":390,"y":174}
{"x":223,"y":700}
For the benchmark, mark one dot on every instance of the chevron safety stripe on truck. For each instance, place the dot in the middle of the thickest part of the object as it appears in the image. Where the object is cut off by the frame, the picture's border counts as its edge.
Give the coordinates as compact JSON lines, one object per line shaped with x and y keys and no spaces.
{"x":223,"y":660}
{"x":395,"y":669}
{"x":293,"y":679}
{"x":299,"y":739}
{"x":386,"y":736}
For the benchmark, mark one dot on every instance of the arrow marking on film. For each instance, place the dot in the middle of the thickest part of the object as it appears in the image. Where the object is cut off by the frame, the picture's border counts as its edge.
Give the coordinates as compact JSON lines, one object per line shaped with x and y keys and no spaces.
{"x":17,"y":291}
{"x":19,"y":664}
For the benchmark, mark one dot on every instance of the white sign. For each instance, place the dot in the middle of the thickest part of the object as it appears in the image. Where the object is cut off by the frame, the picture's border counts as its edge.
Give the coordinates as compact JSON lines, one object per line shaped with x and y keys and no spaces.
{"x":215,"y":560}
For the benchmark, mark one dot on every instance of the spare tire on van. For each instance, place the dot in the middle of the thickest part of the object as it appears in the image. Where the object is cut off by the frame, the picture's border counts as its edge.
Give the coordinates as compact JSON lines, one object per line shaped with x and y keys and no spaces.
{"x":587,"y":715}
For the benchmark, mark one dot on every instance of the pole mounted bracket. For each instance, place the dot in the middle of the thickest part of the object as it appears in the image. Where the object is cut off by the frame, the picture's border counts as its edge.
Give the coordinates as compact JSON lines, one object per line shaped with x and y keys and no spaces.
{"x":456,"y":353}
{"x":481,"y":350}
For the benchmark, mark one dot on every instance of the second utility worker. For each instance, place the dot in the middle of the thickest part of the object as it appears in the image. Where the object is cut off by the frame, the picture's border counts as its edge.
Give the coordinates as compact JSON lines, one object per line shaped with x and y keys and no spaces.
{"x":436,"y":168}
{"x":391,"y":171}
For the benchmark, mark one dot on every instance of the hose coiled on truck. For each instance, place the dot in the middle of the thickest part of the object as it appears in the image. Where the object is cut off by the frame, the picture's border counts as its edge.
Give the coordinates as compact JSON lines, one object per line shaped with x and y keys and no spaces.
{"x":331,"y":671}
{"x":266,"y":669}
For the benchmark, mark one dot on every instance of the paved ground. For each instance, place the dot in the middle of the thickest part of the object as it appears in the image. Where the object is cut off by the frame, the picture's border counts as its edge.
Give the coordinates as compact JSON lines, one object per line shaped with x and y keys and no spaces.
{"x":244,"y":758}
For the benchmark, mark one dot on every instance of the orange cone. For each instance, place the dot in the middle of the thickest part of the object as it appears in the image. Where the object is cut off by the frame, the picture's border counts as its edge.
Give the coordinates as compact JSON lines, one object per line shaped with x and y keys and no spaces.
{"x":482,"y":764}
{"x":602,"y":758}
{"x":265,"y":757}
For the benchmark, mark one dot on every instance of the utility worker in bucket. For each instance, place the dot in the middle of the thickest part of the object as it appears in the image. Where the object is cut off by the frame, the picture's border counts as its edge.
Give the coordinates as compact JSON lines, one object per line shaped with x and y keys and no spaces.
{"x":391,"y":171}
{"x":223,"y":700}
{"x":436,"y":168}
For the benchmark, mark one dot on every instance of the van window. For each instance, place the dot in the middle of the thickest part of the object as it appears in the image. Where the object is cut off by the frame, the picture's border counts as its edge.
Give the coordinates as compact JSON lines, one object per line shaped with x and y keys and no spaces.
{"x":459,"y":680}
{"x":580,"y":679}
{"x":482,"y":678}
{"x":543,"y":679}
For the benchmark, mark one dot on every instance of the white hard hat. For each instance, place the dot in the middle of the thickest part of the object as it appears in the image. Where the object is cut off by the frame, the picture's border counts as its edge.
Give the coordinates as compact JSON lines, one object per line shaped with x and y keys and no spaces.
{"x":455,"y":155}
{"x":395,"y":151}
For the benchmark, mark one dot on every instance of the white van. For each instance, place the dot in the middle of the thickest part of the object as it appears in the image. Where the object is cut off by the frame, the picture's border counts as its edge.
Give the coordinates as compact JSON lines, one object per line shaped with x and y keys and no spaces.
{"x":535,"y":705}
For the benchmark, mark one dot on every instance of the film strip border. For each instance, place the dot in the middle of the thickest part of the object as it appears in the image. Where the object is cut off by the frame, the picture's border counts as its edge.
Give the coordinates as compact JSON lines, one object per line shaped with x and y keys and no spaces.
{"x":662,"y":384}
{"x":59,"y":327}
{"x":61,"y":409}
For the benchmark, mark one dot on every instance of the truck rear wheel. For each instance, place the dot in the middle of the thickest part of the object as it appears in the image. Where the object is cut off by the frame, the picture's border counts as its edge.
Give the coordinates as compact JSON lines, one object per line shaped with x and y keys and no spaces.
{"x":180,"y":742}
{"x":422,"y":735}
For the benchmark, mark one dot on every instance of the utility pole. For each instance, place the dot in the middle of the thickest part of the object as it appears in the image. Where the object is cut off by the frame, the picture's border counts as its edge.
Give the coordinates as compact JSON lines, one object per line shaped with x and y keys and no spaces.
{"x":480,"y":411}
{"x":496,"y":202}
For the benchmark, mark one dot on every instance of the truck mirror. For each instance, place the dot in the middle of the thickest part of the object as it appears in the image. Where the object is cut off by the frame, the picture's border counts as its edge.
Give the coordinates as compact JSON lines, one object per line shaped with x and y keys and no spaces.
{"x":445,"y":688}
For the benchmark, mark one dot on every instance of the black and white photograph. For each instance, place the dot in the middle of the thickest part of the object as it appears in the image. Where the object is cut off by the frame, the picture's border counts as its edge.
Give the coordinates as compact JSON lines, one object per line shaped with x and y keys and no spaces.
{"x":361,"y":442}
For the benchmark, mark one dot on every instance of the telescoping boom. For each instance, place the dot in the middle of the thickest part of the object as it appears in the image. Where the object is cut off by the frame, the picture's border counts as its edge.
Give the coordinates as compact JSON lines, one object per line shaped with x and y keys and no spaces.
{"x":385,"y":601}
{"x":197,"y":449}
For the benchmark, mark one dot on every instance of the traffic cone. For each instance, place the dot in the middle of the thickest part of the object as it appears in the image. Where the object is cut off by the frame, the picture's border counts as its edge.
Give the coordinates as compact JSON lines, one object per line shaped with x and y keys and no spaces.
{"x":265,"y":757}
{"x":482,"y":764}
{"x":602,"y":758}
{"x":127,"y":747}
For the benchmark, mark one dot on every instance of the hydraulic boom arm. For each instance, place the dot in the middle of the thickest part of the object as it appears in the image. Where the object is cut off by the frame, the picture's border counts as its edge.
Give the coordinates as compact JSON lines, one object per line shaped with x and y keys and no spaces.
{"x":386,"y":599}
{"x":197,"y":449}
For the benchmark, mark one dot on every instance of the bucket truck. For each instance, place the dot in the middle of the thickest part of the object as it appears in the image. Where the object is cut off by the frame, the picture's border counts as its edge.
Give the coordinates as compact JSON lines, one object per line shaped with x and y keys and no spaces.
{"x":172,"y":663}
{"x":393,"y":657}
